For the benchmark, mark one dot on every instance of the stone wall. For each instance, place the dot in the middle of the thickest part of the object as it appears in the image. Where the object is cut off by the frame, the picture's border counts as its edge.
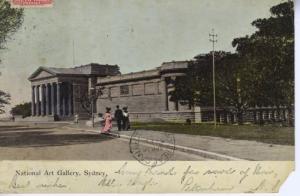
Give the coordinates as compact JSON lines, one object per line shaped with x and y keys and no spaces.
{"x":252,"y":115}
{"x":170,"y":116}
{"x":145,"y":93}
{"x":138,"y":96}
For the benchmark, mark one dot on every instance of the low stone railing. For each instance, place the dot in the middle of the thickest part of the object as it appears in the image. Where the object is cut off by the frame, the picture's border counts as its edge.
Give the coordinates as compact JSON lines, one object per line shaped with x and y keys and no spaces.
{"x":252,"y":115}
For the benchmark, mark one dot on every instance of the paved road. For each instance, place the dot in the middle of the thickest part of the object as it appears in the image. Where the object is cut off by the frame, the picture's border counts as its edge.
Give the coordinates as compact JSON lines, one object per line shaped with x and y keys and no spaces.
{"x":56,"y":142}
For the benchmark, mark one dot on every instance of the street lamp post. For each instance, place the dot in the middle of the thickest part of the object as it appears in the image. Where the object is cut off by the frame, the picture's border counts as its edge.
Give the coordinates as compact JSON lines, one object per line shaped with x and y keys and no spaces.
{"x":212,"y":38}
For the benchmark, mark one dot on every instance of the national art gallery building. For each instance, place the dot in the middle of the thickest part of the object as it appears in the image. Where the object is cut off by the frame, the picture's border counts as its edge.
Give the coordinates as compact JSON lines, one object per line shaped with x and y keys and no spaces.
{"x":58,"y":92}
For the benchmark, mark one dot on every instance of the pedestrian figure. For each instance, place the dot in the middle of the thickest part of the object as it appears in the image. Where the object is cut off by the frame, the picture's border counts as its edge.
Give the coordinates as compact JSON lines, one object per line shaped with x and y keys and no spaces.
{"x":118,"y":117}
{"x":107,"y":121}
{"x":125,"y":119}
{"x":76,"y":119}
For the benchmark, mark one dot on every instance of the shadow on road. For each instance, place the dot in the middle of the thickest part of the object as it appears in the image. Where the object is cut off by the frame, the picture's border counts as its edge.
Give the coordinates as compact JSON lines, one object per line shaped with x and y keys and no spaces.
{"x":19,"y":137}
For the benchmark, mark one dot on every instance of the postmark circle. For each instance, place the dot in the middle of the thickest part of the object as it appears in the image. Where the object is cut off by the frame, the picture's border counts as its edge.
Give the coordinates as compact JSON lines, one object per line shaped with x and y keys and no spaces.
{"x":152,"y":149}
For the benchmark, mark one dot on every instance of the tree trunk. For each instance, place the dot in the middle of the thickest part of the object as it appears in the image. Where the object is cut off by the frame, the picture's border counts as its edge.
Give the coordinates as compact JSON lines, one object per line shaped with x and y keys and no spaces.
{"x":284,"y":115}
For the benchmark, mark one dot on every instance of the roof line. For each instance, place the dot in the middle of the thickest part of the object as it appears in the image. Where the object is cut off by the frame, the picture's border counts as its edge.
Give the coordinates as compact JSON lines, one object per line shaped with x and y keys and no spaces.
{"x":40,"y":69}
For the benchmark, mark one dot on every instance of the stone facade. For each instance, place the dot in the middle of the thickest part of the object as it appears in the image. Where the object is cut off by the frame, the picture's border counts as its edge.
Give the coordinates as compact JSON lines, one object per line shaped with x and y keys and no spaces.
{"x":57,"y":92}
{"x":145,"y":93}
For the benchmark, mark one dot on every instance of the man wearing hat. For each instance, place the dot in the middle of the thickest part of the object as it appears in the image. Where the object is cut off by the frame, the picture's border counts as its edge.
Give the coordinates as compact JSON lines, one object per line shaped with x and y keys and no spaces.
{"x":119,"y":117}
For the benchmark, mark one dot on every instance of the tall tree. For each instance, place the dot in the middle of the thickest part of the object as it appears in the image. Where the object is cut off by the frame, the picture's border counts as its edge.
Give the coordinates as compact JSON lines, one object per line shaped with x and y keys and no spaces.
{"x":261,"y":73}
{"x":196,"y":88}
{"x":269,"y":54}
{"x":4,"y":100}
{"x":10,"y":21}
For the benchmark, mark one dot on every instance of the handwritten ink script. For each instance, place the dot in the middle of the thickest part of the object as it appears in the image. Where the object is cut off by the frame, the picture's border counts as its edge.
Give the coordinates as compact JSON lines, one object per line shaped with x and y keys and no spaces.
{"x":131,"y":176}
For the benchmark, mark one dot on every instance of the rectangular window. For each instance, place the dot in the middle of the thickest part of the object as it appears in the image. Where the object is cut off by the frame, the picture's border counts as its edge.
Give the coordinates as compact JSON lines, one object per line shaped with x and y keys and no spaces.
{"x":124,"y":90}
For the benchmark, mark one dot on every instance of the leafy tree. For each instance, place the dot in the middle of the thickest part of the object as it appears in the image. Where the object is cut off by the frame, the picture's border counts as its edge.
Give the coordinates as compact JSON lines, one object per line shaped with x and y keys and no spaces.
{"x":261,"y":73}
{"x":88,"y":101}
{"x":22,"y":109}
{"x":197,"y":86}
{"x":269,"y":55}
{"x":230,"y":92}
{"x":10,"y":21}
{"x":4,"y":99}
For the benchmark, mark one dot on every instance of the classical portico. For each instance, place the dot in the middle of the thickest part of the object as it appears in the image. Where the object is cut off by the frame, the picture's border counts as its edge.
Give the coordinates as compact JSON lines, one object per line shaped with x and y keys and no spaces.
{"x":57,"y":92}
{"x":52,"y":98}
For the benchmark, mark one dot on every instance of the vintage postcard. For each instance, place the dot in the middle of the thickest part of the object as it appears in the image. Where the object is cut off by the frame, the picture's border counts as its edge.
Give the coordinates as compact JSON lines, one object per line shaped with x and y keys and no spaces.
{"x":156,"y":96}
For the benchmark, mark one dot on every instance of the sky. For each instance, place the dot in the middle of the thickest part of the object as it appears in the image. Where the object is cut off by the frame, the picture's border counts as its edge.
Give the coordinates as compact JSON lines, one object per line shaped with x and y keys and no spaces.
{"x":135,"y":34}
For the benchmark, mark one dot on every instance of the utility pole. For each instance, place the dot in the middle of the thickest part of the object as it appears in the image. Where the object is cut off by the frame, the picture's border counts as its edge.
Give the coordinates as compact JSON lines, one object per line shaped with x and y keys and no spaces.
{"x":73,"y":53}
{"x":213,"y":39}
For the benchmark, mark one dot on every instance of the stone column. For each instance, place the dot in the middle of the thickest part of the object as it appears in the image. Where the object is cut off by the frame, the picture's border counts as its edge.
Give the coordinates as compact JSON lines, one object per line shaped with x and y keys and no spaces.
{"x":228,"y":116}
{"x":220,"y":119}
{"x":52,"y":99}
{"x":37,"y":90}
{"x":235,"y":120}
{"x":47,"y":100}
{"x":275,"y":115}
{"x":198,"y":115}
{"x":70,"y":92}
{"x":74,"y":97}
{"x":264,"y":114}
{"x":63,"y":92}
{"x":284,"y":114}
{"x":58,"y":99}
{"x":33,"y":101}
{"x":43,"y":100}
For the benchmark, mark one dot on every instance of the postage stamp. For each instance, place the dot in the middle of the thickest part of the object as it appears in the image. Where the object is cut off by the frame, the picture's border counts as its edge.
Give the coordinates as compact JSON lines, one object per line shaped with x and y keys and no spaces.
{"x":152,"y":150}
{"x":31,"y":3}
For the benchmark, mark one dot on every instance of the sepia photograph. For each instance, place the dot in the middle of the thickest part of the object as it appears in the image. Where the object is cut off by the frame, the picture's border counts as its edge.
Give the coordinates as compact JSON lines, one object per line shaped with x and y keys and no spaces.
{"x":154,"y":82}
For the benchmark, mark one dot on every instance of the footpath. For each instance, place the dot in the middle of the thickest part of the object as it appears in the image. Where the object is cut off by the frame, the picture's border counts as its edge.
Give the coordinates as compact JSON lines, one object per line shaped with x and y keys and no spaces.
{"x":210,"y":147}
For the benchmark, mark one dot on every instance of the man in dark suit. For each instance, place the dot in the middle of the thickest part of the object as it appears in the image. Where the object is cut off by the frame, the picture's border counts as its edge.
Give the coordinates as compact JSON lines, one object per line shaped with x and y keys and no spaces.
{"x":119,"y":117}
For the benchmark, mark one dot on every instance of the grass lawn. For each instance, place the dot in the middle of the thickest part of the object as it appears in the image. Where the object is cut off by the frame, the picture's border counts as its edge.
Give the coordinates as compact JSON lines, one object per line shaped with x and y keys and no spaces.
{"x":272,"y":134}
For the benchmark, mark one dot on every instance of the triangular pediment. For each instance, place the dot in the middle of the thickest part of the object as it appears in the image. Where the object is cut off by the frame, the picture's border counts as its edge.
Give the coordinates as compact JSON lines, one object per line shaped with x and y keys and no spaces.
{"x":42,"y":72}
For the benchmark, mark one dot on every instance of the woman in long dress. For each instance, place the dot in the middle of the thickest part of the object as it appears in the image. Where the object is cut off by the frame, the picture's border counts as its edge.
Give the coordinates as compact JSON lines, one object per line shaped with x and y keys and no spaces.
{"x":107,"y":121}
{"x":126,"y":124}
